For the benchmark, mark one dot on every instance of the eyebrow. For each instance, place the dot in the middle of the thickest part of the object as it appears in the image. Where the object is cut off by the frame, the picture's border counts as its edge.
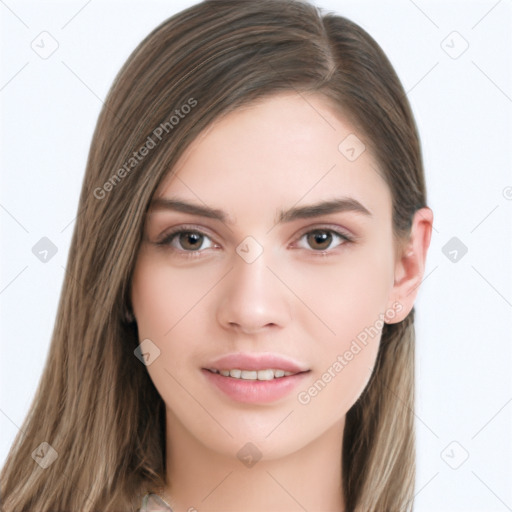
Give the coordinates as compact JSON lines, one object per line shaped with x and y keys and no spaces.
{"x":342,"y":204}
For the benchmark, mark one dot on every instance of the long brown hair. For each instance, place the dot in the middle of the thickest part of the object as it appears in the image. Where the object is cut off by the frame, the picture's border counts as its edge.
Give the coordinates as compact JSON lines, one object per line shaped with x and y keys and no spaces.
{"x":96,"y":404}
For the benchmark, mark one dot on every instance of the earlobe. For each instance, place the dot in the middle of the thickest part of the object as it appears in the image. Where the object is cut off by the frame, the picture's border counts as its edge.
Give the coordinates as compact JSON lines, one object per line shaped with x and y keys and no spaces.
{"x":410,"y":266}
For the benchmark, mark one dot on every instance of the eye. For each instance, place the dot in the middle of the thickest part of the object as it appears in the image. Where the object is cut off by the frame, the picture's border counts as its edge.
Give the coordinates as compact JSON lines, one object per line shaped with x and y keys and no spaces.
{"x":190,"y":242}
{"x":186,"y":241}
{"x":321,"y":239}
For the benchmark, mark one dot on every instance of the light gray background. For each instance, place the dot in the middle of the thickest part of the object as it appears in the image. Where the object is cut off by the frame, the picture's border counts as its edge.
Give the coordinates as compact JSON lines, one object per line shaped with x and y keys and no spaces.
{"x":463,"y":106}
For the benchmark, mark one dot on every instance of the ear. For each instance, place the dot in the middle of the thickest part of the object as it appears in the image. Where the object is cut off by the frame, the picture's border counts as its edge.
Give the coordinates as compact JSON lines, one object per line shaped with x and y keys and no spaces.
{"x":410,"y":266}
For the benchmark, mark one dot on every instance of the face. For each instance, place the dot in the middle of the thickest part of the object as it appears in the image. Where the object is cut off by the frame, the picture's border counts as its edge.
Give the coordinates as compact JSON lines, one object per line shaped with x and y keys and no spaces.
{"x":260,"y":280}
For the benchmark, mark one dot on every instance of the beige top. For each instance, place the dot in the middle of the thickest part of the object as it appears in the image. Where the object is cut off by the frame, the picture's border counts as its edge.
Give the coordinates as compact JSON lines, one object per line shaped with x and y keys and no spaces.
{"x":153,"y":503}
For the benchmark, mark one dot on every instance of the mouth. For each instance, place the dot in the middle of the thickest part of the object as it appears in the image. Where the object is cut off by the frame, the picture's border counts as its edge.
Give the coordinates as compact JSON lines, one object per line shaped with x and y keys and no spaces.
{"x":254,"y":377}
{"x":265,"y":374}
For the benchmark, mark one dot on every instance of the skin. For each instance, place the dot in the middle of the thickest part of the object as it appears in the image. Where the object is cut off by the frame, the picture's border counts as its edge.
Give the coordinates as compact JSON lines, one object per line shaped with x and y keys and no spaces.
{"x":275,"y":154}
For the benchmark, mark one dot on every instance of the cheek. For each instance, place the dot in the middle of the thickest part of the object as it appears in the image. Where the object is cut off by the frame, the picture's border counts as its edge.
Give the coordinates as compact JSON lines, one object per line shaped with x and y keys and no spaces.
{"x":169,"y":306}
{"x":339,"y":383}
{"x":343,"y":297}
{"x":164,"y":300}
{"x":350,"y":299}
{"x":163,"y":295}
{"x":352,"y":307}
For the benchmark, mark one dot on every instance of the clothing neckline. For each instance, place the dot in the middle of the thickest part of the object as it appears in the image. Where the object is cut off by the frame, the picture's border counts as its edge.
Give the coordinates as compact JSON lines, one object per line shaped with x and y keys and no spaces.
{"x":152,"y":502}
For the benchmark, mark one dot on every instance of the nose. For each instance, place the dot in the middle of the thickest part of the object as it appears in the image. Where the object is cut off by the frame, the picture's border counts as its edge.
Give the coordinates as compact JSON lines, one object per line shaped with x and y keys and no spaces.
{"x":252,"y":298}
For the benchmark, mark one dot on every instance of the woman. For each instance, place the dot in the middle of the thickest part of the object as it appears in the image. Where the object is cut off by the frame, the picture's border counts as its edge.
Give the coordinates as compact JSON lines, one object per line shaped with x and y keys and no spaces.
{"x":236,"y":326}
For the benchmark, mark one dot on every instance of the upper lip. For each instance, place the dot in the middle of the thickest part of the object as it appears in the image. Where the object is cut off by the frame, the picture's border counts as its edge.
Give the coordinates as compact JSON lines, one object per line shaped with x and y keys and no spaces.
{"x":256,"y":362}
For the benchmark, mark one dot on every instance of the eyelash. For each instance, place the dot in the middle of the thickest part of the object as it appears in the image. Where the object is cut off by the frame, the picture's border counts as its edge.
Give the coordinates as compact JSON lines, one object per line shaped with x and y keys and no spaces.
{"x":169,"y":237}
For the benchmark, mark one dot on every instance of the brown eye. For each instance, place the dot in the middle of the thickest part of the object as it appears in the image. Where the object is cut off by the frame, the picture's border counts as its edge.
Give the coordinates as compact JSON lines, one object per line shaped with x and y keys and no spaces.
{"x":319,"y":239}
{"x":190,"y":241}
{"x":186,"y":241}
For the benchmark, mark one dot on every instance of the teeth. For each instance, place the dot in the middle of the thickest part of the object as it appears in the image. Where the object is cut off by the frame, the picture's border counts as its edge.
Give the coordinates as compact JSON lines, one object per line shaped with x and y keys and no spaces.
{"x":253,"y":374}
{"x":265,"y":374}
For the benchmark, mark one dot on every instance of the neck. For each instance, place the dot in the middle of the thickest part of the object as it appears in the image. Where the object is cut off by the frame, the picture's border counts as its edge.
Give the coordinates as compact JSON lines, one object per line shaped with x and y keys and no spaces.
{"x":199,"y":478}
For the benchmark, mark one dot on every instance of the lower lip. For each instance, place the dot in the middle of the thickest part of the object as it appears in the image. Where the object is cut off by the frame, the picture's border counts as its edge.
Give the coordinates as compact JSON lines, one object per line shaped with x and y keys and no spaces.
{"x":254,"y":391}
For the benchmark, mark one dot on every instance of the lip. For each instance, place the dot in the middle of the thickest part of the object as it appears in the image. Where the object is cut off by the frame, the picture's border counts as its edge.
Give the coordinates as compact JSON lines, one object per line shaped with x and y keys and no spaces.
{"x":255,"y":391}
{"x":261,"y":361}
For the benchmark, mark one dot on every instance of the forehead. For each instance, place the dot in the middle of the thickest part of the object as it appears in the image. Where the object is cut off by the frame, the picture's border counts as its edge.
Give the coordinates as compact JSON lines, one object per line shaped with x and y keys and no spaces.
{"x":282,"y":150}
